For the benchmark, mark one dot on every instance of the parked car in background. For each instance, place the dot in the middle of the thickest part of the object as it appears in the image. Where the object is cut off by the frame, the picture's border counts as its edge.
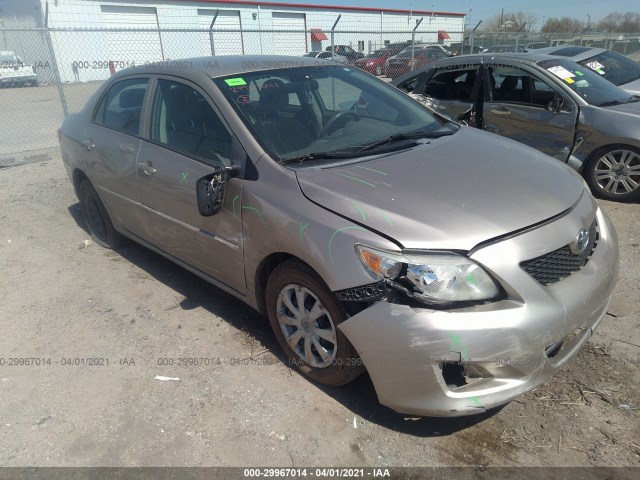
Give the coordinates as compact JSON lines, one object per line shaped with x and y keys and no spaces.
{"x":549,"y":103}
{"x":459,"y":49}
{"x":374,"y":62}
{"x":346,"y":51}
{"x":413,"y":57}
{"x":504,"y":49}
{"x":327,"y":56}
{"x":618,"y":69}
{"x":14,"y":72}
{"x":536,"y":45}
{"x":369,"y":237}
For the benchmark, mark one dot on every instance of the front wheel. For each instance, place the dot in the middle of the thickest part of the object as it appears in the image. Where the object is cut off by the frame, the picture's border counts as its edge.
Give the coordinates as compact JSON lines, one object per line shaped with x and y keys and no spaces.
{"x":613,"y":173}
{"x":305,"y":317}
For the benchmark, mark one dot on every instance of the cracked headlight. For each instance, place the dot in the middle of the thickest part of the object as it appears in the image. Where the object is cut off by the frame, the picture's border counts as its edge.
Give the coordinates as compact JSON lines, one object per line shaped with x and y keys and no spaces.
{"x":431,"y":277}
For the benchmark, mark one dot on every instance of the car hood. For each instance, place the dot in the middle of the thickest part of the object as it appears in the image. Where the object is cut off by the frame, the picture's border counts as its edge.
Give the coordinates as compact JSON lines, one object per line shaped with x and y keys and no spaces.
{"x":452,"y":193}
{"x":632,"y":87}
{"x":631,"y":108}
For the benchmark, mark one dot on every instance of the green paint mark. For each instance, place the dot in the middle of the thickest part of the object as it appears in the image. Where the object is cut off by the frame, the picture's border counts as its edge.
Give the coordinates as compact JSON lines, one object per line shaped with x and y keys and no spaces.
{"x":356,"y":179}
{"x":255,"y":210}
{"x":337,"y":232}
{"x":235,"y":82}
{"x":184,"y":177}
{"x":371,"y":170}
{"x":302,"y":228}
{"x":454,"y":341}
{"x":476,"y":402}
{"x":471,"y":279}
{"x":386,"y":218}
{"x":364,"y":217}
{"x":234,"y":205}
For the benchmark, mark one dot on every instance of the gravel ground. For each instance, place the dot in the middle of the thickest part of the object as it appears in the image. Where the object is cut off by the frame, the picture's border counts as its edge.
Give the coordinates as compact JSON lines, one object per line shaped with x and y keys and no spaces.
{"x":66,"y":301}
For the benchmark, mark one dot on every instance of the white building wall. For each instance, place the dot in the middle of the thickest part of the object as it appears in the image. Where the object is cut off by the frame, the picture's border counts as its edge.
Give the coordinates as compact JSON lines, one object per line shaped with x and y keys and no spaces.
{"x":371,"y":28}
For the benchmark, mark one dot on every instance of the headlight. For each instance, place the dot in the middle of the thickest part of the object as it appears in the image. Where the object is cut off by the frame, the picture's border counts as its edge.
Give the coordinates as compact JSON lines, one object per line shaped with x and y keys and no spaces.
{"x":431,"y":277}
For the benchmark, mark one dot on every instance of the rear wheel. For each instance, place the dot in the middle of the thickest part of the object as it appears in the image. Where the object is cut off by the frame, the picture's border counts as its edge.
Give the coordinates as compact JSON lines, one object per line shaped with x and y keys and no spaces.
{"x":96,"y":217}
{"x":613,"y":173}
{"x":305,"y":317}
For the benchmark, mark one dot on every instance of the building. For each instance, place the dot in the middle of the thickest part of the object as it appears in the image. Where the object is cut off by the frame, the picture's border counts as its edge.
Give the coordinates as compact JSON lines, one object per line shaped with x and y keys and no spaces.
{"x":90,"y":38}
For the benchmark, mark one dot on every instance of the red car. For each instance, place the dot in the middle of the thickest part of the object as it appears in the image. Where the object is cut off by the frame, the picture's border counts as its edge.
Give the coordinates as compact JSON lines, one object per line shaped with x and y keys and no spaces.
{"x":374,"y":62}
{"x":407,"y":61}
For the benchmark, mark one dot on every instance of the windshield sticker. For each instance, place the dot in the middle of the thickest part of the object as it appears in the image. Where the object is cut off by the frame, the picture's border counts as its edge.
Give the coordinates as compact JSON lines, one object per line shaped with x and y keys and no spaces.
{"x":569,"y":80}
{"x":561,"y":72}
{"x":234,"y":82}
{"x":579,"y":73}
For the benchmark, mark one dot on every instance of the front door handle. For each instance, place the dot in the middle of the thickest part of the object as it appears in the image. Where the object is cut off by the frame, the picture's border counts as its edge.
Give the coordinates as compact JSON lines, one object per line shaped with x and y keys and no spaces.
{"x":88,"y":144}
{"x":504,"y":113}
{"x":147,"y":168}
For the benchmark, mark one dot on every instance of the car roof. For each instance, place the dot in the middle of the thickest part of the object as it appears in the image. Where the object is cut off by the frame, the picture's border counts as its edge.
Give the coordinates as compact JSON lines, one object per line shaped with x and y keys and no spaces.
{"x":572,"y":51}
{"x":223,"y":65}
{"x":524,"y":57}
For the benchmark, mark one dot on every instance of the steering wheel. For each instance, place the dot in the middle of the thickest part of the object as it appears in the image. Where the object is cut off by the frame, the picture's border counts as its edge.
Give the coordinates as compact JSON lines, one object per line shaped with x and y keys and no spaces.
{"x":325,"y":131}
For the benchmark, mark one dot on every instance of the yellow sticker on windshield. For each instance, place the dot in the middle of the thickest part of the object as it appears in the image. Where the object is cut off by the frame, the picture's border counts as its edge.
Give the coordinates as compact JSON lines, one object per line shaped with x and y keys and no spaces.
{"x":234,"y":82}
{"x":569,"y":80}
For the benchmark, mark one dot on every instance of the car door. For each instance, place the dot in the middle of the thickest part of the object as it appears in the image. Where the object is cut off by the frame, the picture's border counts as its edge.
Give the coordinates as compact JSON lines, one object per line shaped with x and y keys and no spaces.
{"x":520,"y":107}
{"x":112,"y":142}
{"x":186,"y":140}
{"x":448,"y":90}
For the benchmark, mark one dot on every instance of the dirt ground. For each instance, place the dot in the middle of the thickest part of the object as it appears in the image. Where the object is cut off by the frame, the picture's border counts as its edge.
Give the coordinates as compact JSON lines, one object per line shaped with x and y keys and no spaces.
{"x":64,"y":302}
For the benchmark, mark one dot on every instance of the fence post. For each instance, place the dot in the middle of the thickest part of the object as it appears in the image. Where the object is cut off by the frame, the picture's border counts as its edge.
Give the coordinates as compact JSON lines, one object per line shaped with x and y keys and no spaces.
{"x":54,"y":61}
{"x":215,"y":17}
{"x":332,"y":31}
{"x":413,"y":42}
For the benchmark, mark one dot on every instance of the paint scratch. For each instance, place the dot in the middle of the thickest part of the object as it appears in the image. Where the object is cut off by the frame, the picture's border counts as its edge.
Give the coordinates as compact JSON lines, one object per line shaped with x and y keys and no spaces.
{"x":356,"y":179}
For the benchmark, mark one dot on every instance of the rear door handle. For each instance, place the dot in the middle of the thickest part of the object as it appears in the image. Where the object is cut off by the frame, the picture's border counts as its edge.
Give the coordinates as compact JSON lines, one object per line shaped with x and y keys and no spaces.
{"x":147,"y":168}
{"x":88,"y":144}
{"x":504,"y":113}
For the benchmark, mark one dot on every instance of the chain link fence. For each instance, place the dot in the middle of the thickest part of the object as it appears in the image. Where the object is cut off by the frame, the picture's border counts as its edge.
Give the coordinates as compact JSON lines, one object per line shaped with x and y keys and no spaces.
{"x":46,"y":73}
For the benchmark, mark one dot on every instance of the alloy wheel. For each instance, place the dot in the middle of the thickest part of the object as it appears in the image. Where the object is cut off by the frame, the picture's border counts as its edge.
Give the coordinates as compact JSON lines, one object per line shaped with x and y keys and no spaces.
{"x":618,"y":172}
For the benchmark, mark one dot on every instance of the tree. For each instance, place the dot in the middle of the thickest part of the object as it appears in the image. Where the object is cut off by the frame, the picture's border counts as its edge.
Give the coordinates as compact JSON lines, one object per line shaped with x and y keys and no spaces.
{"x":619,"y":22}
{"x":563,"y":25}
{"x":511,"y":22}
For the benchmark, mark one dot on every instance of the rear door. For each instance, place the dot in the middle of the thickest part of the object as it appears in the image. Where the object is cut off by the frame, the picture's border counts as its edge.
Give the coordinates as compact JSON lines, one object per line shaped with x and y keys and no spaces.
{"x":111,"y":142}
{"x":518,"y":107}
{"x":448,"y":90}
{"x":185,"y":141}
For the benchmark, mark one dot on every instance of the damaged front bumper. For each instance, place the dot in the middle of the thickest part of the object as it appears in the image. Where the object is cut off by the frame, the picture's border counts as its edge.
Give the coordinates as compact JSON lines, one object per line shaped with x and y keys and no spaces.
{"x":464,"y":361}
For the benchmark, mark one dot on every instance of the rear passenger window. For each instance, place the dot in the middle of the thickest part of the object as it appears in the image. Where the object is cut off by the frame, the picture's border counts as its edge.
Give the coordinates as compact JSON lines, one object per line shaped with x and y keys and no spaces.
{"x":121,"y":106}
{"x":182,"y":119}
{"x":452,"y":84}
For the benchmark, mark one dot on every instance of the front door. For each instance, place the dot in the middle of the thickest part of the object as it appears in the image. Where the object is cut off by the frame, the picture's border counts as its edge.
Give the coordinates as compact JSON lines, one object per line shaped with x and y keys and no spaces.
{"x":187,"y":140}
{"x":519,"y":107}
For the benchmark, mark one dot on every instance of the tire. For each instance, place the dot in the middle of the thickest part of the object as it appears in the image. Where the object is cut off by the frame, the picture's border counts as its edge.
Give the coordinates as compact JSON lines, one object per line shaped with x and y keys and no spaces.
{"x":293,"y":280}
{"x":613,"y":173}
{"x":96,"y":217}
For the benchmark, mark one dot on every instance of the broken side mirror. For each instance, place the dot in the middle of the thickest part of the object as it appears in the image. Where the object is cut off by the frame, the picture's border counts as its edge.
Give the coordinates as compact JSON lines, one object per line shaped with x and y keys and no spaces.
{"x":210,"y":191}
{"x":556,"y":105}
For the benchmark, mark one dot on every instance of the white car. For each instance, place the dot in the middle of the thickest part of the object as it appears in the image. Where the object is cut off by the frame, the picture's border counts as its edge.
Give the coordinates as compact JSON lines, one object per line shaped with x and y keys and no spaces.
{"x":328,"y":55}
{"x":13,"y":71}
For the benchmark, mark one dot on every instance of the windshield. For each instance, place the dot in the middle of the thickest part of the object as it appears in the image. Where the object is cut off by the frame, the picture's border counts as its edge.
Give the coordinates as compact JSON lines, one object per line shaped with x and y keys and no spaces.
{"x":586,"y":83}
{"x":312,"y":111}
{"x":376,"y":54}
{"x":616,"y":68}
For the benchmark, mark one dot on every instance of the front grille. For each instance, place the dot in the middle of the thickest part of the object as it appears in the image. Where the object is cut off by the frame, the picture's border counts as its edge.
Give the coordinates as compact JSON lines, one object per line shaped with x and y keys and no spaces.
{"x":554,"y":266}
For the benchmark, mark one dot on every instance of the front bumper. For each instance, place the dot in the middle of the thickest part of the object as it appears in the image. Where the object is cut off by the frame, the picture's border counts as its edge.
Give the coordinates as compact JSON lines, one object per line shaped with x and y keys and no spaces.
{"x":504,"y":348}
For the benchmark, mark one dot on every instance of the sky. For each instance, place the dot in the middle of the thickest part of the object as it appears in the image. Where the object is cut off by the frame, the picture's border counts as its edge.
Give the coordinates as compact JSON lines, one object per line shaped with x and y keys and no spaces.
{"x":483,"y":10}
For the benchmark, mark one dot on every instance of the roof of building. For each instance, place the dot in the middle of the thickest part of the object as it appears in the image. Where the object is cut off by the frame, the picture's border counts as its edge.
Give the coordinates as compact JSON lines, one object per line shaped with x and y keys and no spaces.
{"x":327,"y":7}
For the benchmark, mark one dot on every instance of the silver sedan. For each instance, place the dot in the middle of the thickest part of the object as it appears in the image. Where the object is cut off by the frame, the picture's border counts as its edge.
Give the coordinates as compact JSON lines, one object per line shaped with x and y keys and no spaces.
{"x":459,"y":269}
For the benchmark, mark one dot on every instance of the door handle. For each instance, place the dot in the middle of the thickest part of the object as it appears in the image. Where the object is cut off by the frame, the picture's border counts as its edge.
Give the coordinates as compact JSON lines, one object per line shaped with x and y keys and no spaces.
{"x":147,"y":168}
{"x":504,"y":113}
{"x":88,"y":144}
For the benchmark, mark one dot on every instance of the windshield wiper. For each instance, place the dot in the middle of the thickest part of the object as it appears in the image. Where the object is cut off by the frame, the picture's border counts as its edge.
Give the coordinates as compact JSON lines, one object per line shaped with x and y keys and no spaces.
{"x":317,"y":156}
{"x":610,"y":103}
{"x":412,"y":135}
